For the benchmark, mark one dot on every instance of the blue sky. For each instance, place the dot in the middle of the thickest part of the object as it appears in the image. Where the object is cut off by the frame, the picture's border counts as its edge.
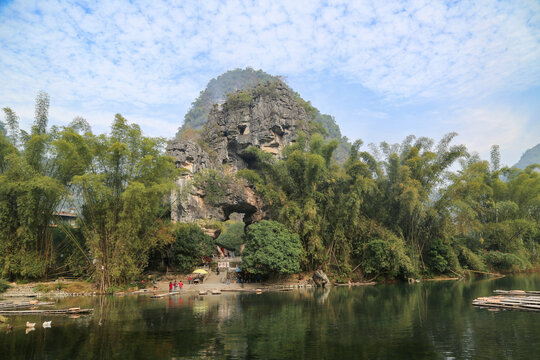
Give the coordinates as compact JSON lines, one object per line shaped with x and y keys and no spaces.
{"x":384,"y":69}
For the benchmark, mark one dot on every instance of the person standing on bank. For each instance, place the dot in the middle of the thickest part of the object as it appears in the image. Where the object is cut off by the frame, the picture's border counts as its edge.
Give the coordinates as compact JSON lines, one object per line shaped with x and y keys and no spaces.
{"x":170,"y":286}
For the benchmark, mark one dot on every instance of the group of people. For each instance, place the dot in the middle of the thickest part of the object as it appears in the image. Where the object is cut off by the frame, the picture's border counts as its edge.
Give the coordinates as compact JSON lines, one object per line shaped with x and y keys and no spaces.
{"x":175,"y":285}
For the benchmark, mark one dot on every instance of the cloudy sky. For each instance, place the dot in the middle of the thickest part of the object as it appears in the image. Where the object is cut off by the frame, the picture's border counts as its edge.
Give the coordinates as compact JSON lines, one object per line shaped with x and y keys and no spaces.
{"x":384,"y":69}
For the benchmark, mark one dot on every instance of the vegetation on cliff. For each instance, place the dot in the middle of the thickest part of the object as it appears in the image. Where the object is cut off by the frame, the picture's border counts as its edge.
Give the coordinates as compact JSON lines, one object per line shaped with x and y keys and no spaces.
{"x":216,"y":93}
{"x":237,"y":88}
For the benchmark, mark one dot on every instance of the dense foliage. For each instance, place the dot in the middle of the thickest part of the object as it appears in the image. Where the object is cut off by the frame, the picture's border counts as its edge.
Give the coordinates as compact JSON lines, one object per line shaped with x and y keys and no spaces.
{"x":116,"y":183}
{"x":395,"y":211}
{"x":233,"y":236}
{"x":32,"y":186}
{"x":122,"y":191}
{"x":190,"y":247}
{"x":271,"y":249}
{"x":398,"y":211}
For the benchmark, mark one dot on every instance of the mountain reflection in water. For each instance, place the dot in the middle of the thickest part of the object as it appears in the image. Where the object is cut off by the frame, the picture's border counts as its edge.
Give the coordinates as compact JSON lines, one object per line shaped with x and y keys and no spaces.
{"x":418,"y":321}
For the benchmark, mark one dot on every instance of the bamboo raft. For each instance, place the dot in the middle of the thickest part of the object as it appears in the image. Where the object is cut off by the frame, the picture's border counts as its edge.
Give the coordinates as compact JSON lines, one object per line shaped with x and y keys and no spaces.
{"x":17,"y":305}
{"x":511,"y":300}
{"x":516,"y":292}
{"x":258,"y":290}
{"x":356,"y":284}
{"x":70,"y":311}
{"x":164,"y":295}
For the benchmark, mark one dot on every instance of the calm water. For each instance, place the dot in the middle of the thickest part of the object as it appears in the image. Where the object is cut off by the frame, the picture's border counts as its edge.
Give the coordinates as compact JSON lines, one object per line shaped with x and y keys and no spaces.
{"x":399,"y":321}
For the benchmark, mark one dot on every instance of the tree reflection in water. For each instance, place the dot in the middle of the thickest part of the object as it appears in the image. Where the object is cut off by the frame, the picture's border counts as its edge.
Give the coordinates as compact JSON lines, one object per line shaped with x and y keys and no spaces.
{"x":427,"y":320}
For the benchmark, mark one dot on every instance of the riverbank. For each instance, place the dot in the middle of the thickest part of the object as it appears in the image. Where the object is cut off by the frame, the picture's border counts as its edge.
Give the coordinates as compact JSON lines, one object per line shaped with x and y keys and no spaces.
{"x":213,"y":282}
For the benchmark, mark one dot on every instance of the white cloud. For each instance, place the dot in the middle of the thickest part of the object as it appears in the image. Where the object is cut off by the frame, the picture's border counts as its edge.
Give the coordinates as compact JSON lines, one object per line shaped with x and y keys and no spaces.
{"x":484,"y":127}
{"x":163,"y":52}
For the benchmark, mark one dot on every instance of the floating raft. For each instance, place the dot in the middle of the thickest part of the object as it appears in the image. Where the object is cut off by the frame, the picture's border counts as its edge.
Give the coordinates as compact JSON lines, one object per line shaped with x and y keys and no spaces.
{"x":136,"y":292}
{"x":258,"y":290}
{"x":356,"y":284}
{"x":516,"y":292}
{"x":70,"y":311}
{"x":511,"y":300}
{"x":17,"y":305}
{"x":165,"y":294}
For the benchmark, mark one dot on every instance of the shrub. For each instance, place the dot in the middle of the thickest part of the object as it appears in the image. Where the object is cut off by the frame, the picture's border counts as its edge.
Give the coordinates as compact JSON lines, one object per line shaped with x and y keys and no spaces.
{"x":214,"y":184}
{"x":191,"y":245}
{"x":233,"y":237}
{"x":238,"y":100}
{"x":250,"y":175}
{"x":440,"y":257}
{"x":386,"y":258}
{"x":470,"y":260}
{"x":271,"y":249}
{"x":4,"y":285}
{"x":504,"y":261}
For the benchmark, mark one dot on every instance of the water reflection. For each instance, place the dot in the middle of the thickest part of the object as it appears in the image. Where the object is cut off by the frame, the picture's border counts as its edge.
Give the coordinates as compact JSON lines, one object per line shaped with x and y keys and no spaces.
{"x":426,"y":320}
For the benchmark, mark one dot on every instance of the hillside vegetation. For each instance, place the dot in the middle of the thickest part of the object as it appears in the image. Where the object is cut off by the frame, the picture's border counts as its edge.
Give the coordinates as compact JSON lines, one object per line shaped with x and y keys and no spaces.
{"x":223,"y":90}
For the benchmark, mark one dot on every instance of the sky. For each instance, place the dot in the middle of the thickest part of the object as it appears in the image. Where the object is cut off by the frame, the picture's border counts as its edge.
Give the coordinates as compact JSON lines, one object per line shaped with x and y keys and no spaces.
{"x":383,"y":69}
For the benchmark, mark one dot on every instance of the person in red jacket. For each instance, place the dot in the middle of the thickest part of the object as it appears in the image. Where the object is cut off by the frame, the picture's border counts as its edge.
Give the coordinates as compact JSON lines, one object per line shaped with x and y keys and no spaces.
{"x":180,"y":285}
{"x":170,"y":286}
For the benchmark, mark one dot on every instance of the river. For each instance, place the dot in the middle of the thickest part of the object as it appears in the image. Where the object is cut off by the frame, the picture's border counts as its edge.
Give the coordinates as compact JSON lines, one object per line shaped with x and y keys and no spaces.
{"x":429,"y":320}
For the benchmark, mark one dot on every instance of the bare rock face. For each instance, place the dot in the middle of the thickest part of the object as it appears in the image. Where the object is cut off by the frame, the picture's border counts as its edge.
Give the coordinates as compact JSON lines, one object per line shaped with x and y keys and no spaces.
{"x":188,"y":154}
{"x":268,"y":117}
{"x":320,"y":279}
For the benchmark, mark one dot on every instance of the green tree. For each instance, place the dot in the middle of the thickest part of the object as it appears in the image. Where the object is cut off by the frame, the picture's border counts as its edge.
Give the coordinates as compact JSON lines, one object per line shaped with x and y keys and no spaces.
{"x":496,"y":213}
{"x":191,"y":245}
{"x":32,"y":187}
{"x":271,"y":249}
{"x":233,"y":236}
{"x":122,"y":193}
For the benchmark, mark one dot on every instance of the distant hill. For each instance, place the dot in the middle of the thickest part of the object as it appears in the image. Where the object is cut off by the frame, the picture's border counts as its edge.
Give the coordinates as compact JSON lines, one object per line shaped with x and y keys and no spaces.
{"x":531,"y":156}
{"x":240,"y":79}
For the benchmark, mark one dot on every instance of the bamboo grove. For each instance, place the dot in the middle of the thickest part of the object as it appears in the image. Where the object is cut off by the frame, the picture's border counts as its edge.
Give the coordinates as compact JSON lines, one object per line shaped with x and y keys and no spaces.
{"x":403,"y":210}
{"x":390,"y":211}
{"x":115,"y":182}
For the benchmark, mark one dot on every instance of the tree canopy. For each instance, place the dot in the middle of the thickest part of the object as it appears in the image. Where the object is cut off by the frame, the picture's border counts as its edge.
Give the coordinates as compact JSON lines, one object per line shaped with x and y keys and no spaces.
{"x":271,"y":249}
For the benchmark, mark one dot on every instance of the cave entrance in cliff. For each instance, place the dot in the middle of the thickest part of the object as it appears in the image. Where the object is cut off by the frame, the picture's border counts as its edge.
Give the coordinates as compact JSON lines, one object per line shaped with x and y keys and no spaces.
{"x":236,"y":217}
{"x":239,"y":214}
{"x":244,"y":212}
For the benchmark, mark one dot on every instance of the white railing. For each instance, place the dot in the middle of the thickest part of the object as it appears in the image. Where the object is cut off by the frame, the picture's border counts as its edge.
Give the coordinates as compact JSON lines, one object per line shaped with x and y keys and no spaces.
{"x":235,"y":259}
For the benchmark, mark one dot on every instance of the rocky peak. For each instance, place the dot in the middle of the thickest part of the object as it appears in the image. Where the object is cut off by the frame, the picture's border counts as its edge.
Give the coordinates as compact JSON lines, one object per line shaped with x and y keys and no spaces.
{"x":269,"y":117}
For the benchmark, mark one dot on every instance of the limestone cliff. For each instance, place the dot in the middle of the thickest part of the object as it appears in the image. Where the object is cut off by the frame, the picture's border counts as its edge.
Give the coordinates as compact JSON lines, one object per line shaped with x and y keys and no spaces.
{"x":269,"y":117}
